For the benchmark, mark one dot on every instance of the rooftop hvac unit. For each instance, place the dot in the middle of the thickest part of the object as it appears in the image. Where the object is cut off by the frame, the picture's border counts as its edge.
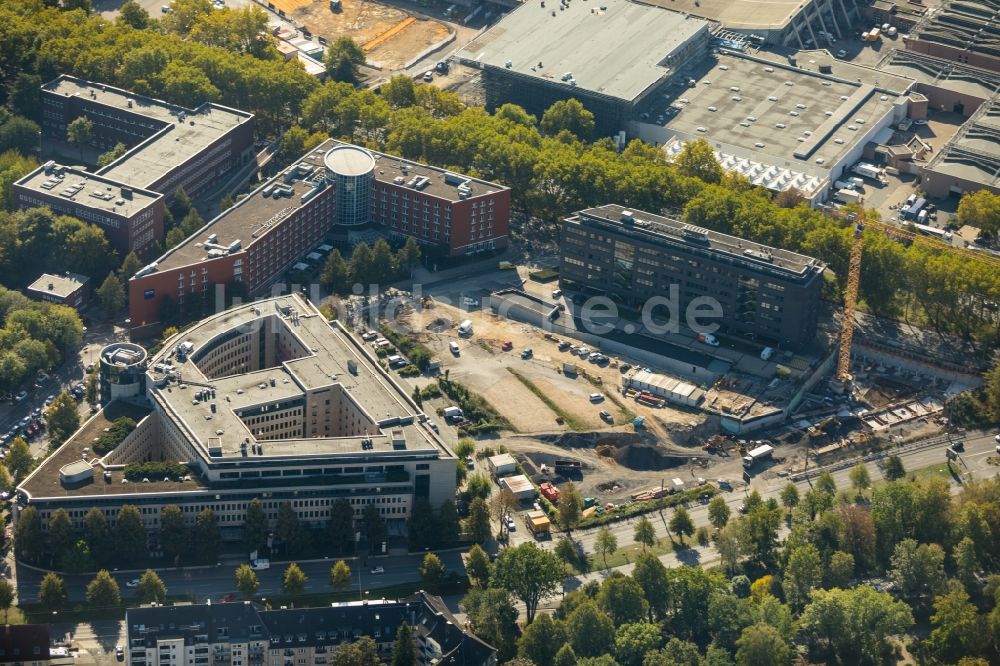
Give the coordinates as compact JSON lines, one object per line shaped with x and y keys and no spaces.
{"x":627,"y":216}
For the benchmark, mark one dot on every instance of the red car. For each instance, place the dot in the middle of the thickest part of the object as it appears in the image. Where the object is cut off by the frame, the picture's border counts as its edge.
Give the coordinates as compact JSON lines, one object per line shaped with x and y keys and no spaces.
{"x":228,"y":598}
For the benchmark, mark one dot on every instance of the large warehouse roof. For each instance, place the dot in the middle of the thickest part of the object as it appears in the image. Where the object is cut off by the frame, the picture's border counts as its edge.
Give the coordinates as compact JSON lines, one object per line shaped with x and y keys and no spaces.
{"x":614,"y":47}
{"x":795,"y":116}
{"x":973,"y":154}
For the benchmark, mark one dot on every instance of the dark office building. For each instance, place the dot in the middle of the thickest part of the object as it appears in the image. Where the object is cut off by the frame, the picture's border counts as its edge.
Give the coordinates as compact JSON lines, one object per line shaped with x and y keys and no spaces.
{"x":632,"y":256}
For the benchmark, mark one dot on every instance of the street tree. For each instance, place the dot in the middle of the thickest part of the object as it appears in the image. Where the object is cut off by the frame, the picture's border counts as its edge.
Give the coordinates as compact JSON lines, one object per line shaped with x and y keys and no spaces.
{"x":570,"y":507}
{"x":19,"y":461}
{"x":789,"y":496}
{"x":340,"y":576}
{"x":681,"y":523}
{"x":102,"y":591}
{"x":718,"y":512}
{"x":529,"y":573}
{"x":340,"y":528}
{"x":288,"y":530}
{"x":97,"y":535}
{"x":432,"y":571}
{"x":62,"y":419}
{"x":129,"y":534}
{"x":605,"y":543}
{"x":52,"y":591}
{"x":894,"y":469}
{"x":589,"y":630}
{"x":92,"y":390}
{"x":173,"y":533}
{"x":621,"y":597}
{"x":651,"y":575}
{"x":255,"y":526}
{"x":343,"y":59}
{"x":293,"y":581}
{"x":207,"y":536}
{"x":375,"y":529}
{"x":541,"y":640}
{"x":478,"y":523}
{"x":478,"y":485}
{"x":861,"y":480}
{"x":645,"y":533}
{"x":825,"y":484}
{"x":62,"y":536}
{"x":151,"y":588}
{"x":501,"y":504}
{"x":477,"y":566}
{"x":246,"y":580}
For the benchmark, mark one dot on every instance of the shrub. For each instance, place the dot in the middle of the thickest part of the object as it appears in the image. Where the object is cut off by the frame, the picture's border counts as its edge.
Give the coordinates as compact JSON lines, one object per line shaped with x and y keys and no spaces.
{"x":409,"y":371}
{"x":115,"y":435}
{"x":155,"y":471}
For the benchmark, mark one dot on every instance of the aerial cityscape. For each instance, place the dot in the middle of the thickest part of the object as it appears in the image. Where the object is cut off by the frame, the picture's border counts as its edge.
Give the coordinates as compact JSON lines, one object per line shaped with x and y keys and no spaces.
{"x":486,"y":332}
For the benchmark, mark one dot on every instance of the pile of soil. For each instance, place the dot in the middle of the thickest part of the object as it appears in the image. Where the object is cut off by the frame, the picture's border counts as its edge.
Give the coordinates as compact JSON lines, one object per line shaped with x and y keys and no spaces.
{"x":646,"y":458}
{"x":439,"y":325}
{"x":610,"y":487}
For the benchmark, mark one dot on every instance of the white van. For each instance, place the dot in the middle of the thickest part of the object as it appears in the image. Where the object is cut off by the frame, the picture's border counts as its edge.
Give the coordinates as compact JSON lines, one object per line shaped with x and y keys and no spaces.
{"x":453,"y":346}
{"x":465,"y":328}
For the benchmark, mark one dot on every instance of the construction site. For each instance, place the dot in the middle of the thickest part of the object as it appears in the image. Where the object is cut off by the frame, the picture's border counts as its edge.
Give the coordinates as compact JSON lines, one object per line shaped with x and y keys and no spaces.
{"x":621,"y":442}
{"x":390,"y":36}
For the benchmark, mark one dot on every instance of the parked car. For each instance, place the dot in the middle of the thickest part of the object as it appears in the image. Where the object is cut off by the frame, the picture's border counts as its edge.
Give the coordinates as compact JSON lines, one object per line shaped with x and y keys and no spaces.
{"x":557,"y":293}
{"x":132,"y":583}
{"x":20,"y":396}
{"x":119,"y":653}
{"x":49,"y":400}
{"x":708,"y":339}
{"x":841,"y":53}
{"x":597,"y":397}
{"x":507,"y":345}
{"x":606,"y":416}
{"x":526,"y":353}
{"x":563,"y":346}
{"x":378,"y":570}
{"x":428,"y":76}
{"x":453,"y":346}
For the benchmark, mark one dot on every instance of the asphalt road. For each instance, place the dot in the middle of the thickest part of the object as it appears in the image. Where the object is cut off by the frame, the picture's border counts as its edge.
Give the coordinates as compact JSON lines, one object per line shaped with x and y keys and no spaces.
{"x":217,"y":581}
{"x":978,"y":447}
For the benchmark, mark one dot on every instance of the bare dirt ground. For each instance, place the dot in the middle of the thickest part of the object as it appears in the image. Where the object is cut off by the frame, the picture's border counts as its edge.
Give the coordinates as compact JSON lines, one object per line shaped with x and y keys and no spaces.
{"x":390,"y":36}
{"x":617,"y":460}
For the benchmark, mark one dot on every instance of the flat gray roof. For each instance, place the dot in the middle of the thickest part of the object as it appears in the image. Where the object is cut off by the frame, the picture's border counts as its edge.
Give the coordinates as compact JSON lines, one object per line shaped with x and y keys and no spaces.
{"x":87,"y":189}
{"x":176,"y":141}
{"x":678,"y":233}
{"x":739,"y":14}
{"x":256,"y":215}
{"x":58,"y":285}
{"x":765,"y":107}
{"x":941,"y":73}
{"x":333,"y":352}
{"x":616,"y":48}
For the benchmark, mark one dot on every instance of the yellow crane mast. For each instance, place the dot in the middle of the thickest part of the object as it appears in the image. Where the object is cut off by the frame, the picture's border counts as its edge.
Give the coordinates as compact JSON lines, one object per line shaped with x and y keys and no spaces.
{"x":842,"y":378}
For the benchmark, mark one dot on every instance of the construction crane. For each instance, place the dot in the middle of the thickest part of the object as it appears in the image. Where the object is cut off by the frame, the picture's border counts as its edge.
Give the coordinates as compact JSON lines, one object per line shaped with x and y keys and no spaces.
{"x":842,"y":378}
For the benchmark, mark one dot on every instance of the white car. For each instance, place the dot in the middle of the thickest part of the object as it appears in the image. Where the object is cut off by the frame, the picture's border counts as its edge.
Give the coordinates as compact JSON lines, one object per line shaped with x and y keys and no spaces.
{"x":597,"y":397}
{"x":132,"y":583}
{"x":920,"y":122}
{"x":377,"y":570}
{"x":709,"y":340}
{"x":841,"y":53}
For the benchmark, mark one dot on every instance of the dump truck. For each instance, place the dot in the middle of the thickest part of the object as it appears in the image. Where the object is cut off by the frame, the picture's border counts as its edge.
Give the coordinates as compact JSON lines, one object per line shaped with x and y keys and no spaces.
{"x":756,"y":455}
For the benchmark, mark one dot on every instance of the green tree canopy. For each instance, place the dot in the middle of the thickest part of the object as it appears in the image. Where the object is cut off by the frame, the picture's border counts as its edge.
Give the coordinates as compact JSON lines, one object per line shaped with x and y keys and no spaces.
{"x":529,"y":573}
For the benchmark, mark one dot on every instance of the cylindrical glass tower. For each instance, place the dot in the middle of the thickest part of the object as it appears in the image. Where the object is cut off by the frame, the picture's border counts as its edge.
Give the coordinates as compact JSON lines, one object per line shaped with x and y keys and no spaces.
{"x":352,"y":171}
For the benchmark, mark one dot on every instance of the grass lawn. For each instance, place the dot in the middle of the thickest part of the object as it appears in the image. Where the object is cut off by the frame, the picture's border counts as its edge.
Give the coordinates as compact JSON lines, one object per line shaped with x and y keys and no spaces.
{"x":629,"y":553}
{"x":939,"y":470}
